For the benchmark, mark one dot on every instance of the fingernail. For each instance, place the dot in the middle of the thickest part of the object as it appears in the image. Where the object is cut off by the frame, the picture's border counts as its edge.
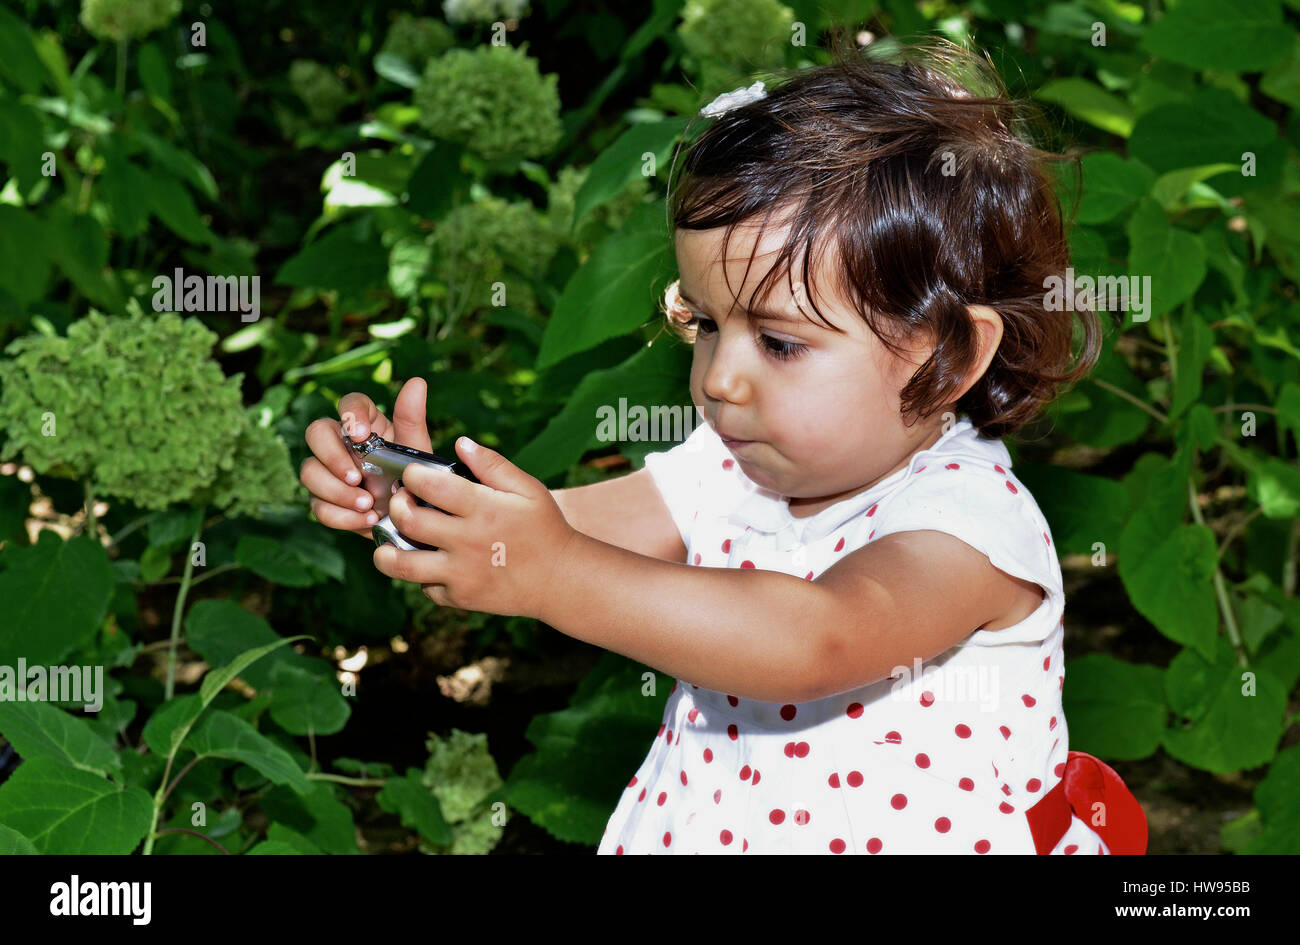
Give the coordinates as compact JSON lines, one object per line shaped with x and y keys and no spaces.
{"x":353,"y":477}
{"x":363,"y":502}
{"x":371,"y":518}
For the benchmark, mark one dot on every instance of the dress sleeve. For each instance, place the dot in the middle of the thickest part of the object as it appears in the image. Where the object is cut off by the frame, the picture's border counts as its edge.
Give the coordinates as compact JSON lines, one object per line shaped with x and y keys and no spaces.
{"x":688,"y":475}
{"x":995,"y":514}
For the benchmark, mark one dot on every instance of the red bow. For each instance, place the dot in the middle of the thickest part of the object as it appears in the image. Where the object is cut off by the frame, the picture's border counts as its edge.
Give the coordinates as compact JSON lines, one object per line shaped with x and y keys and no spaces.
{"x":1086,"y":782}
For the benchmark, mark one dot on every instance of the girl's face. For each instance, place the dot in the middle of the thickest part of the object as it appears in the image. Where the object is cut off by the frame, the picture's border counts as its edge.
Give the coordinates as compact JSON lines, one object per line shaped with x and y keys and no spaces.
{"x":824,"y":421}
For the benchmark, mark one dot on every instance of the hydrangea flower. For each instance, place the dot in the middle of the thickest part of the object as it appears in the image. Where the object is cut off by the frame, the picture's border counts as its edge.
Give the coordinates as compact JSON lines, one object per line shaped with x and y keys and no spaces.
{"x":483,"y":11}
{"x":126,"y":19}
{"x":139,"y":409}
{"x":461,"y":773}
{"x":320,"y":89}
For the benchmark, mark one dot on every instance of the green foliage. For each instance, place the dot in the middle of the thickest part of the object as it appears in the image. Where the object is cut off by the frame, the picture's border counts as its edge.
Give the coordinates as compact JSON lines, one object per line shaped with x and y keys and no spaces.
{"x":135,"y":405}
{"x":127,"y":19}
{"x":743,"y":33}
{"x":494,"y":99}
{"x":320,"y":89}
{"x":417,"y":39}
{"x":461,"y":774}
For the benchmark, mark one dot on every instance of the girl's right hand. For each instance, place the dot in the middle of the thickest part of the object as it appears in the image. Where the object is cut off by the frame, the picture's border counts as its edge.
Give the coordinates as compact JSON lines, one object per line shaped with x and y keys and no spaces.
{"x":331,"y":475}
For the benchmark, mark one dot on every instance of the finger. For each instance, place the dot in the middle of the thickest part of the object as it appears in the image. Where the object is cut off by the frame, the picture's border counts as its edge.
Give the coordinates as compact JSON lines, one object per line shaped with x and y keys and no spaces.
{"x":410,"y":416}
{"x":361,"y":417}
{"x":331,"y":516}
{"x":332,"y":453}
{"x":437,"y":593}
{"x":454,"y":494}
{"x":427,"y":525}
{"x":495,"y":471}
{"x":322,"y":482}
{"x":418,"y":567}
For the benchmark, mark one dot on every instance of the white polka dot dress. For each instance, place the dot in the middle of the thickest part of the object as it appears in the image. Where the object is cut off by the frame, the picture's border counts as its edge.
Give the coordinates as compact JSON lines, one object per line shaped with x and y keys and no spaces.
{"x":944,"y":756}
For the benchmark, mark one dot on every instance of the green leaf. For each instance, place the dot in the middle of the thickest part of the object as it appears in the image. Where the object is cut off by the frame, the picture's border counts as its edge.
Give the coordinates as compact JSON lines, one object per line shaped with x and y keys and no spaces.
{"x":609,"y":296}
{"x":274,"y":847}
{"x":1087,"y":100}
{"x":65,"y":810}
{"x":1278,"y":803}
{"x":657,"y":375}
{"x":55,"y":594}
{"x":22,"y":142}
{"x":623,"y":161}
{"x":19,"y":62}
{"x":154,"y":564}
{"x":1168,"y":577}
{"x":1228,"y":728}
{"x":1244,"y":36}
{"x":1081,"y":509}
{"x":397,"y":70}
{"x":266,"y":557}
{"x":1195,"y":341}
{"x":181,"y":163}
{"x":436,"y":180}
{"x":319,"y":817}
{"x":222,"y":735}
{"x":307,"y":703}
{"x":221,"y":630}
{"x":1275,"y":485}
{"x":39,"y":730}
{"x":1111,"y":186}
{"x":173,"y":528}
{"x":1209,"y":126}
{"x":125,"y":187}
{"x":153,"y":71}
{"x":1282,"y":79}
{"x":24,"y":236}
{"x":1116,"y":709}
{"x":12,"y":842}
{"x":171,"y":203}
{"x":1172,"y":258}
{"x":415,"y":804}
{"x":81,"y":250}
{"x":337,"y":261}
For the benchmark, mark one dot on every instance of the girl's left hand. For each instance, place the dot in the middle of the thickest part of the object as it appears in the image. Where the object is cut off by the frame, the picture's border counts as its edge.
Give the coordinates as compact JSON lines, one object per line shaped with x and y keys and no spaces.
{"x":498,"y":542}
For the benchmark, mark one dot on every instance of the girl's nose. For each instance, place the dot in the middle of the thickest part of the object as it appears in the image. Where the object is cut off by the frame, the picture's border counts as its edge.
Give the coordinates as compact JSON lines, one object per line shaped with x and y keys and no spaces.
{"x":725,"y":379}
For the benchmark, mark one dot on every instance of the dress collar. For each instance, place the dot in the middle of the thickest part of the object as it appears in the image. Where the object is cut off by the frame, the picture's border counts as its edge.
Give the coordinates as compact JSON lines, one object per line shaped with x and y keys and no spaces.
{"x":768,"y":512}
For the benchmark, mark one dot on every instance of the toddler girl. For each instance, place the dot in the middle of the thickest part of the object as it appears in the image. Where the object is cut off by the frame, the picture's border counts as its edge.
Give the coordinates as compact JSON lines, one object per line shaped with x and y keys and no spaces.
{"x":877,"y":428}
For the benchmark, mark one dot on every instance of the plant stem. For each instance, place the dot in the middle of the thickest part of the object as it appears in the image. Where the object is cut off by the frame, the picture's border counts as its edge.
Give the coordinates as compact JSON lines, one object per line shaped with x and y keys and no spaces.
{"x":121,"y":70}
{"x":1220,"y":586}
{"x":343,"y":779}
{"x":180,"y":609}
{"x":143,"y":520}
{"x":1118,"y":392}
{"x":92,"y":526}
{"x":195,"y":833}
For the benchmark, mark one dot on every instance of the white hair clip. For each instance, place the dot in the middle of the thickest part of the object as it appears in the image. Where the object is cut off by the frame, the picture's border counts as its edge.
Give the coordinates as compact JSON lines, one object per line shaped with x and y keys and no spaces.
{"x":734,"y":99}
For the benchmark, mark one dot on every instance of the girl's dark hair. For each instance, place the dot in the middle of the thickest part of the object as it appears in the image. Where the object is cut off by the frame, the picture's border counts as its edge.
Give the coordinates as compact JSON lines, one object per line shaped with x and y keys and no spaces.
{"x":912,"y":172}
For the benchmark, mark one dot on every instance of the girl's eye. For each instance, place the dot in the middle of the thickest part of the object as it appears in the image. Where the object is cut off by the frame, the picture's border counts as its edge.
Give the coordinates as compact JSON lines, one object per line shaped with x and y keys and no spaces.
{"x":781,"y":350}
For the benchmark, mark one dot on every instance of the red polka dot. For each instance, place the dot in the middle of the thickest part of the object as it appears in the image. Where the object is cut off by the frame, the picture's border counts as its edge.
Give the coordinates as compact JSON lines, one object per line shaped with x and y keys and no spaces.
{"x":619,"y":851}
{"x":728,"y":463}
{"x":708,"y":755}
{"x":927,"y":698}
{"x":801,"y":817}
{"x":697,"y":557}
{"x":952,"y":466}
{"x":801,"y":750}
{"x":1029,"y":701}
{"x":756,"y":777}
{"x":837,"y":845}
{"x":834,"y":780}
{"x":632,"y":783}
{"x":1006,"y":789}
{"x":788,"y":711}
{"x":922,"y":469}
{"x":839,"y":545}
{"x":668,"y":839}
{"x":732,"y":732}
{"x":1032,"y":785}
{"x":747,"y":564}
{"x":692,"y":715}
{"x":777,"y":816}
{"x":1012,"y":488}
{"x":745,"y":847}
{"x":808,"y":576}
{"x":725,"y":837}
{"x":999,"y":469}
{"x":663,"y":796}
{"x":1046,"y":539}
{"x":726,"y":545}
{"x":855,"y":779}
{"x":872,"y":511}
{"x":873,"y":845}
{"x":1059,"y":770}
{"x":854,"y":710}
{"x":1052,"y":724}
{"x":982,"y":846}
{"x":894,"y":738}
{"x":733,"y":701}
{"x":966,"y":784}
{"x":1006,"y":732}
{"x":662,"y":726}
{"x":717,"y":796}
{"x":923,"y":760}
{"x":683,"y":777}
{"x":898,"y":801}
{"x":943,"y":825}
{"x":872,"y":535}
{"x":669,"y":737}
{"x":1006,"y":808}
{"x":963,"y":731}
{"x":1071,"y":848}
{"x":1047,"y":661}
{"x":745,"y":772}
{"x":679,"y":737}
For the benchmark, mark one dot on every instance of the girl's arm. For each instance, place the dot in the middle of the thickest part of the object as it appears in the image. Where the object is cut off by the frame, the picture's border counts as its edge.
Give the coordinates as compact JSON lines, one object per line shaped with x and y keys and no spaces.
{"x":777,"y":638}
{"x":627,"y":512}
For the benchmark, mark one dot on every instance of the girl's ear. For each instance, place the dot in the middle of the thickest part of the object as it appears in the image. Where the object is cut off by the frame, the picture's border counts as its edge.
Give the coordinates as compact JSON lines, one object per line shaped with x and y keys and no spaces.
{"x":988,"y":332}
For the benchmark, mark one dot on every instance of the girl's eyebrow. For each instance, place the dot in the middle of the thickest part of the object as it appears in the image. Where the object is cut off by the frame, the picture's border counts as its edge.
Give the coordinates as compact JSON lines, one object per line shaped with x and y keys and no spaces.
{"x":757,"y":313}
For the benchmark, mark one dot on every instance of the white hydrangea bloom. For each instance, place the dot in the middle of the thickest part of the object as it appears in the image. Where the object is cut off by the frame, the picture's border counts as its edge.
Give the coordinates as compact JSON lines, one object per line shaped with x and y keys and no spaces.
{"x":483,"y":11}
